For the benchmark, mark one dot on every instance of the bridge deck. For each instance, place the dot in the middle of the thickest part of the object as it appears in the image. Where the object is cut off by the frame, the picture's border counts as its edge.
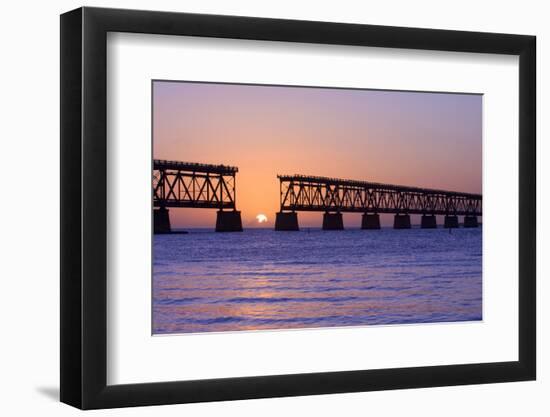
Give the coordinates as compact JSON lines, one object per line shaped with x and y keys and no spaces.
{"x":161,"y":164}
{"x":372,"y":185}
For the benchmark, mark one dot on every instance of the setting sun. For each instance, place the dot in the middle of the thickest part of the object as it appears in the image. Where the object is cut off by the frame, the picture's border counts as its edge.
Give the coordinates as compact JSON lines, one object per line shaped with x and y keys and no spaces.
{"x":262,"y":218}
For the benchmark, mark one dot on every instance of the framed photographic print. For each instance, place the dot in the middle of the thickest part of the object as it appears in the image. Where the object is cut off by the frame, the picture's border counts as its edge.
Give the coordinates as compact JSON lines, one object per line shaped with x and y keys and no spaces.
{"x":258,"y":207}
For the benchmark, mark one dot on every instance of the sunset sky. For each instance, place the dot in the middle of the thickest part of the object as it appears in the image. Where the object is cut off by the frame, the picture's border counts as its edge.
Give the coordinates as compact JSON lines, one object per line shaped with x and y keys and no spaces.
{"x":421,"y":139}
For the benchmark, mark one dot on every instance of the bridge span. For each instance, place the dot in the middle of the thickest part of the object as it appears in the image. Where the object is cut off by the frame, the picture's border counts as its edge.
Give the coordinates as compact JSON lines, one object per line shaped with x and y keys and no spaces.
{"x":335,"y":196}
{"x":195,"y":185}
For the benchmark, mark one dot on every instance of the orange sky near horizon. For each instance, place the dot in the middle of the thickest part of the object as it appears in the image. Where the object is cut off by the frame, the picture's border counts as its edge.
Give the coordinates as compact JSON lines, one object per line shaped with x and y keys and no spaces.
{"x":431,"y":140}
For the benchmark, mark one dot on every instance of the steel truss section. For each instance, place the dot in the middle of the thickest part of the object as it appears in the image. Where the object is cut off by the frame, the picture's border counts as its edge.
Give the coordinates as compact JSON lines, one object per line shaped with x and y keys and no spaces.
{"x":184,"y":184}
{"x":307,"y":193}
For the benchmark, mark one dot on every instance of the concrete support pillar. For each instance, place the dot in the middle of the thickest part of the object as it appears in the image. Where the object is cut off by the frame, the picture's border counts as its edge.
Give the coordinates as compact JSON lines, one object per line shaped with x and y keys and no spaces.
{"x":402,"y":221}
{"x":333,"y":221}
{"x":428,"y":221}
{"x":451,"y":222}
{"x":161,"y":221}
{"x":370,"y":221}
{"x":470,"y":221}
{"x":229,"y":221}
{"x":286,"y":221}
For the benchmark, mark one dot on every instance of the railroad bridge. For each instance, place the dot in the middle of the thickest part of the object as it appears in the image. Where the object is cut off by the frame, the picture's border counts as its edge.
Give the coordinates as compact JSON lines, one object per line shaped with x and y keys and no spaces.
{"x":336,"y":196}
{"x":195,"y":185}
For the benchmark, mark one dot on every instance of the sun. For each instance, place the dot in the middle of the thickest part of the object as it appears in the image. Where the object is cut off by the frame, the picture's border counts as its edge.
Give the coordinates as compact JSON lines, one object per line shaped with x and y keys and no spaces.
{"x":262,"y":218}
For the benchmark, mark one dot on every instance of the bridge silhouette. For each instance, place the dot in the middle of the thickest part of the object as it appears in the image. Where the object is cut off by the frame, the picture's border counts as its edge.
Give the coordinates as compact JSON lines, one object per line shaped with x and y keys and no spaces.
{"x":335,"y":196}
{"x":196,"y":185}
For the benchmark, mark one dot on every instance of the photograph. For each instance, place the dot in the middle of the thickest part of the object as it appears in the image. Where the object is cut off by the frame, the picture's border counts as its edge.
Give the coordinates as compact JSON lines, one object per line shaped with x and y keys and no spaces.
{"x":318,"y":209}
{"x":280,"y":207}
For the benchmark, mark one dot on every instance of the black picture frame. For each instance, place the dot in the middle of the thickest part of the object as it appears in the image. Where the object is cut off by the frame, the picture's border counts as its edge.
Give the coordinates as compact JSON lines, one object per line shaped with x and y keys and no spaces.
{"x":84,"y":207}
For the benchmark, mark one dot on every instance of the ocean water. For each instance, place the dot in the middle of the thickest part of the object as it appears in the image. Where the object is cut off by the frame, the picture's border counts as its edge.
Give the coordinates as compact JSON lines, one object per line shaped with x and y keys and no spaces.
{"x":261,"y":279}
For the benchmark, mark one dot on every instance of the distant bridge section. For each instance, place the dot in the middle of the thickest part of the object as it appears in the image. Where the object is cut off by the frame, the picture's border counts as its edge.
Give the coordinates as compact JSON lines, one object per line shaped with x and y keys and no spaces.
{"x":335,"y":196}
{"x":304,"y":193}
{"x":195,"y":185}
